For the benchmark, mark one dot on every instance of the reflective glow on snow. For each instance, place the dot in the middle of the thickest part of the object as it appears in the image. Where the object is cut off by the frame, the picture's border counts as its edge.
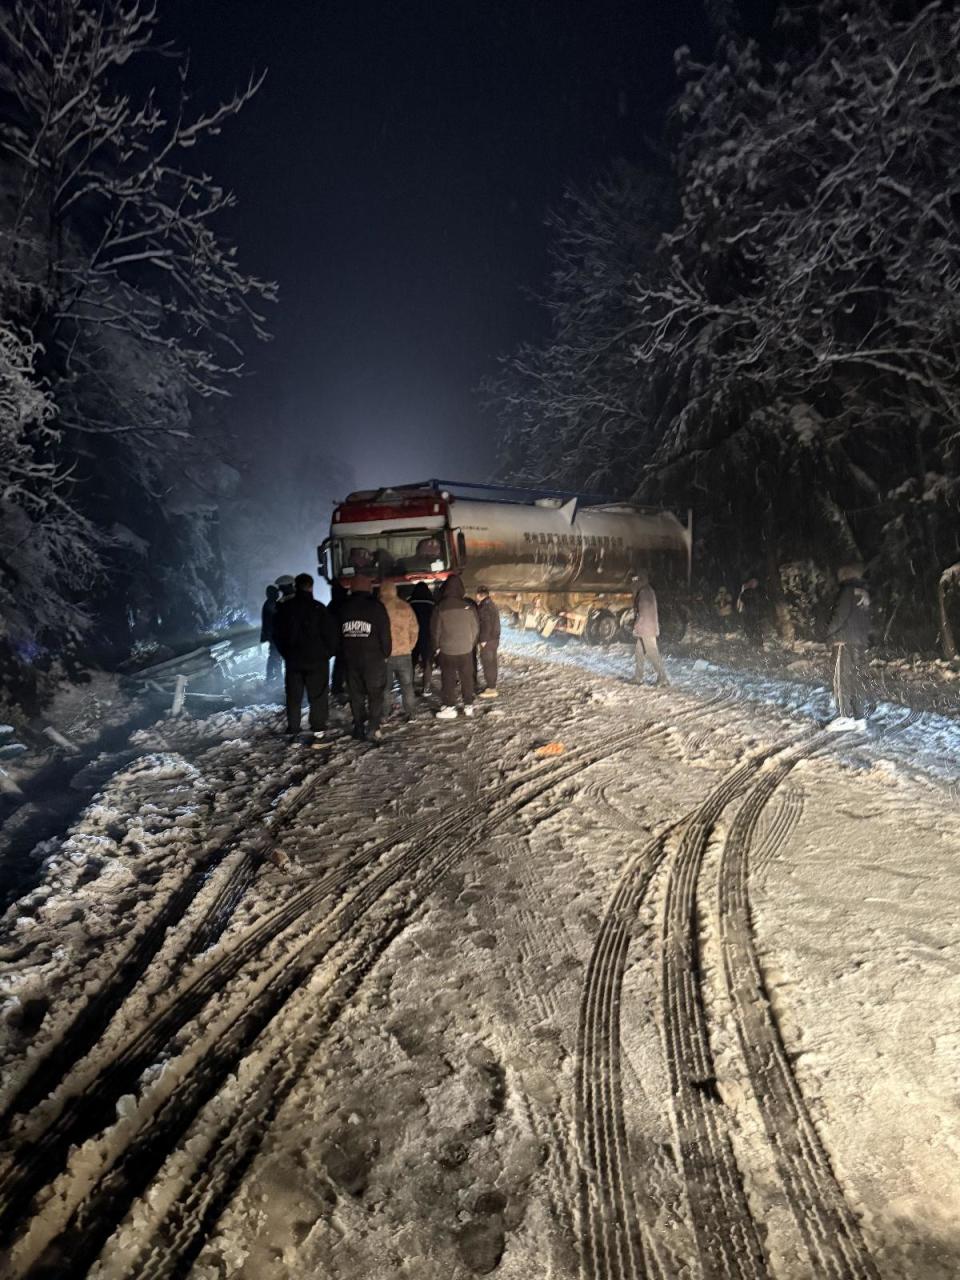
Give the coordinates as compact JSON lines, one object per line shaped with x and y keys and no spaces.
{"x":930,"y":744}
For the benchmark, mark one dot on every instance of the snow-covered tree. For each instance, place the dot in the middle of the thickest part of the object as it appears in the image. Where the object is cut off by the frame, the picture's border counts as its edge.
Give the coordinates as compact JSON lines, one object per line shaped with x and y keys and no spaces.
{"x":111,"y":254}
{"x":790,"y":354}
{"x":44,"y":541}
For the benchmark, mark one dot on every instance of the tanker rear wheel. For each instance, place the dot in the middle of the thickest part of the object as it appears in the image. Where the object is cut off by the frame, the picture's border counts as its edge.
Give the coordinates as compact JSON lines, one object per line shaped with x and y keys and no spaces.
{"x":602,"y":627}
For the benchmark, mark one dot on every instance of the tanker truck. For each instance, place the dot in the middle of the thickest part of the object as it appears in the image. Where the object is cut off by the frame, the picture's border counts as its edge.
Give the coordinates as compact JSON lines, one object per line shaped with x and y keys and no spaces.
{"x":559,"y":562}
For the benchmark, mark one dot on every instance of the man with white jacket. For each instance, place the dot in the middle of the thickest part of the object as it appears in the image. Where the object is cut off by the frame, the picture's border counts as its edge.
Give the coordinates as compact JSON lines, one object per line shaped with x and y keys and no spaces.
{"x":646,"y":629}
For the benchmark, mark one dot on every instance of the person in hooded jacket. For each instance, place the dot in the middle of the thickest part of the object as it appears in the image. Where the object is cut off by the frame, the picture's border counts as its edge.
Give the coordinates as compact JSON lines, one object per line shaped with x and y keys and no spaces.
{"x":404,"y":633}
{"x":454,"y":632}
{"x":305,"y":637}
{"x":267,"y":615}
{"x":366,"y":643}
{"x":489,"y":617}
{"x":849,"y":632}
{"x":422,"y":604}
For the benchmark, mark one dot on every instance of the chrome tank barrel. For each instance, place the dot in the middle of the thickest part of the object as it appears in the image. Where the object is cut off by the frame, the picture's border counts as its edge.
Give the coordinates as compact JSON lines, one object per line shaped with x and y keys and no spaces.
{"x":521,"y":547}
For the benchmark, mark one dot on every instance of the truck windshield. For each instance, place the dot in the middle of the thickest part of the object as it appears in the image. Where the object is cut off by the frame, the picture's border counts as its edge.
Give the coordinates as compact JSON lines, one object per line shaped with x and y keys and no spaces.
{"x":395,"y":553}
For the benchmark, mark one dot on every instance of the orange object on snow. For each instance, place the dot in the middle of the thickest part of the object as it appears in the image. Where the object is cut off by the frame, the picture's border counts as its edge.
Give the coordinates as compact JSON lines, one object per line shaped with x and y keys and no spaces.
{"x":551,"y":749}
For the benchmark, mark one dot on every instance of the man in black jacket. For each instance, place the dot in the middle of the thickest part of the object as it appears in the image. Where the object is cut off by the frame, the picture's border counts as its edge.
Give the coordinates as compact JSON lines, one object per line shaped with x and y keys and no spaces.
{"x":849,"y":632}
{"x":267,"y":615}
{"x":421,"y":602}
{"x":304,"y":634}
{"x":365,"y":644}
{"x":489,"y":641}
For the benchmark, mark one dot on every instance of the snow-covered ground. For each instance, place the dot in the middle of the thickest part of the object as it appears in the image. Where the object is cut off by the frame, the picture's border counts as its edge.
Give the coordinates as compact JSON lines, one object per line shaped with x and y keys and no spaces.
{"x":678,"y":1001}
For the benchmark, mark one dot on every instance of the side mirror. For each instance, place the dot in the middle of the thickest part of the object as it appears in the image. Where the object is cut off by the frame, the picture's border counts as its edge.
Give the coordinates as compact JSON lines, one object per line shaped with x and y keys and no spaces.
{"x":323,"y":560}
{"x":461,"y":547}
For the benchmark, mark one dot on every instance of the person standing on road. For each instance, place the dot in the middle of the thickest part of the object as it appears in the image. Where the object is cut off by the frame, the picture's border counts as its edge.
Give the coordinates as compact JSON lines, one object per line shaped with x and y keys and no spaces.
{"x":489,"y":617}
{"x":306,"y":639}
{"x":421,"y":601}
{"x":646,"y":629}
{"x":750,"y":609}
{"x":849,"y":632}
{"x":338,"y":594}
{"x":365,"y":643}
{"x":404,"y":633}
{"x":454,"y":631}
{"x":267,"y":616}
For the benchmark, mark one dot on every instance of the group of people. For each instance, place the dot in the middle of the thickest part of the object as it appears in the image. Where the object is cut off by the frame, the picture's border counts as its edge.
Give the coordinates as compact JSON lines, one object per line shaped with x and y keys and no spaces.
{"x":376,"y":638}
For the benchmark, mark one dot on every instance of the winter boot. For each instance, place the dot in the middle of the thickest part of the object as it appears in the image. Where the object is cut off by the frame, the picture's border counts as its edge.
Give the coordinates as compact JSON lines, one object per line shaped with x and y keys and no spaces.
{"x":447,"y":713}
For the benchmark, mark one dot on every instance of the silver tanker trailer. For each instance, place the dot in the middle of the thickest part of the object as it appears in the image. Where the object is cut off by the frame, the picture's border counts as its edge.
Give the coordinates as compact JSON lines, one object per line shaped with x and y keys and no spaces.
{"x":557,"y":562}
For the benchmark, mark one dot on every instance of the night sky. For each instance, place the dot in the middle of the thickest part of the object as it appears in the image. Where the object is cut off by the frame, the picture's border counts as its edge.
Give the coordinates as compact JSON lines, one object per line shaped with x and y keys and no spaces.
{"x":393,"y":175}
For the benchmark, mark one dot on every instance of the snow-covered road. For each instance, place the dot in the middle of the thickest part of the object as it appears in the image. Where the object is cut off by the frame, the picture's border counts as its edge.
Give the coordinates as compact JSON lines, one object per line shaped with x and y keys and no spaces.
{"x":680,"y":1001}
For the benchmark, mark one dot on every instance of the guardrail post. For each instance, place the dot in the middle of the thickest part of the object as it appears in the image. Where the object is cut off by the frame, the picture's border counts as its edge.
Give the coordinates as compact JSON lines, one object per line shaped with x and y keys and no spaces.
{"x":179,"y":694}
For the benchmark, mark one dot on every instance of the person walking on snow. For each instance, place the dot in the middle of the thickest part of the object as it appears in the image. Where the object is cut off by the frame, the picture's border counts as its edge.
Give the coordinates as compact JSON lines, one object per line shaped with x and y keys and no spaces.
{"x":404,"y":632}
{"x":421,"y":602}
{"x":489,"y":617}
{"x":646,"y":629}
{"x":306,"y":639}
{"x":849,"y":632}
{"x":365,"y":642}
{"x":267,"y":615}
{"x":454,"y":631}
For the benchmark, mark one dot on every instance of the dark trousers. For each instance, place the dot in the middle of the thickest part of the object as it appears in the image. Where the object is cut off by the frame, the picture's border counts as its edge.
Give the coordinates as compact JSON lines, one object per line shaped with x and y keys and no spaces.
{"x":456,"y":668}
{"x":367,"y":685}
{"x":848,"y":689}
{"x":488,"y":660}
{"x":313,"y":681}
{"x":336,"y":680}
{"x":274,"y":662}
{"x":401,"y":667}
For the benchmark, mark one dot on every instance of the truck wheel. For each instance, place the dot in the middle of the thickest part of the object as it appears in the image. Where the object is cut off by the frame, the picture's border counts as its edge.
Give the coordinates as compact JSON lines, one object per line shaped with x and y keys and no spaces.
{"x":601,"y":627}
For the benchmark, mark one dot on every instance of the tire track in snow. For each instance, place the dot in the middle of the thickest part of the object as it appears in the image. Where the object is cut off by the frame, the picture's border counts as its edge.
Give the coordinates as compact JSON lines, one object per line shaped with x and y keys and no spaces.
{"x":90,"y":1023}
{"x":613,"y":1244}
{"x":189,"y":1222}
{"x":828,"y":1227}
{"x":91,"y":1112}
{"x":727,"y":1239}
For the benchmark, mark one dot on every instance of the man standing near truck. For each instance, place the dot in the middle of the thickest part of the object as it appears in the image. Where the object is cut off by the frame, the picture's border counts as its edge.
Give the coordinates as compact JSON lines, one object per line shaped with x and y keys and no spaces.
{"x":454,"y":630}
{"x":489,"y":640}
{"x":305,"y":637}
{"x":646,"y":629}
{"x":365,"y":643}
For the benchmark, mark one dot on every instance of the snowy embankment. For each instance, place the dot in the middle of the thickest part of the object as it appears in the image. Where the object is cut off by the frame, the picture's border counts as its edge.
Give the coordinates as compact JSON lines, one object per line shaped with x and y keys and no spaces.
{"x":448,"y":1008}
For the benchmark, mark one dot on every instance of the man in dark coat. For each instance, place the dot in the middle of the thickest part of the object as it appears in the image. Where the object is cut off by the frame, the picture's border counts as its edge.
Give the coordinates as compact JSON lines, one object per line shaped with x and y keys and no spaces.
{"x":489,"y":617}
{"x":454,"y":631}
{"x":849,"y":632}
{"x":338,"y":595}
{"x":421,"y":602}
{"x":305,"y":637}
{"x":267,"y":615}
{"x":365,"y":644}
